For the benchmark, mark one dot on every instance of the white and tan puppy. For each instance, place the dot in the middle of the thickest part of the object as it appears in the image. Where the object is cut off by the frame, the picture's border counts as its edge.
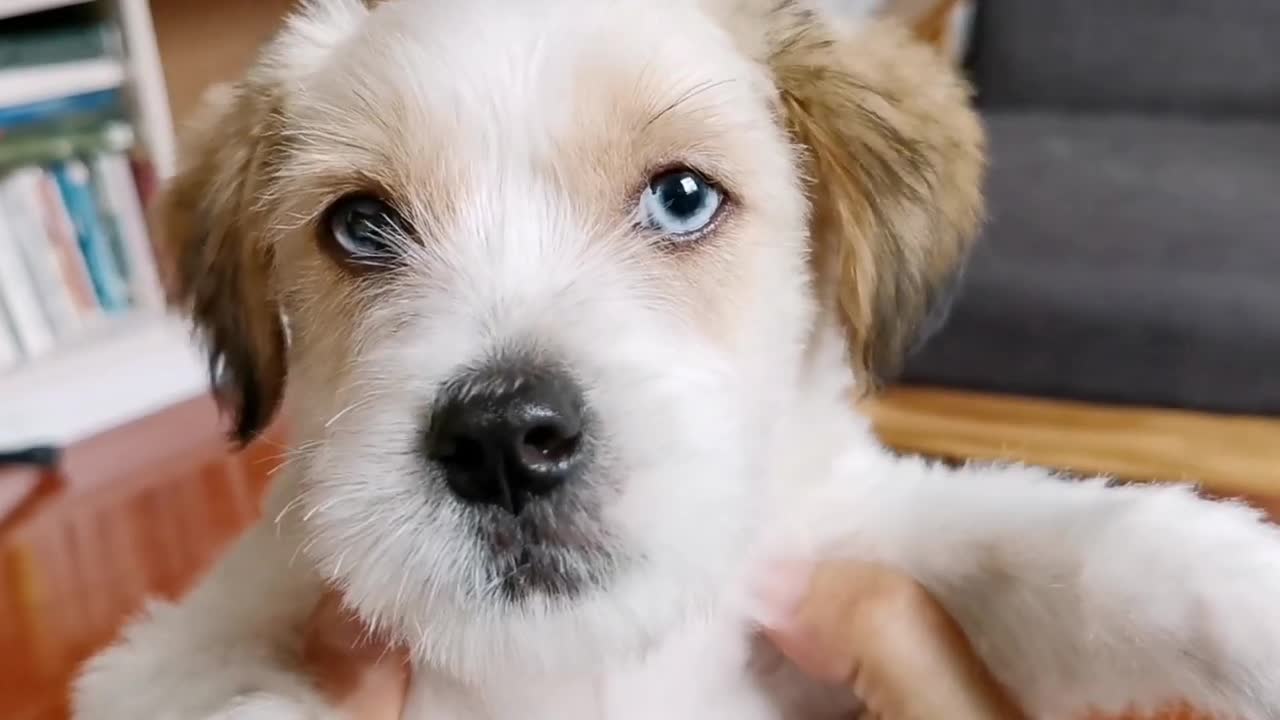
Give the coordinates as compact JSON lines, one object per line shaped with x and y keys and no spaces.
{"x":571,"y":298}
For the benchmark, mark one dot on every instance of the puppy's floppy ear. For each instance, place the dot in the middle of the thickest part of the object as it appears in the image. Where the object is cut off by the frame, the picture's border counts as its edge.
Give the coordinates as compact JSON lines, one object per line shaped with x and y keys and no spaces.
{"x":213,"y":222}
{"x":895,"y":155}
{"x":210,"y":226}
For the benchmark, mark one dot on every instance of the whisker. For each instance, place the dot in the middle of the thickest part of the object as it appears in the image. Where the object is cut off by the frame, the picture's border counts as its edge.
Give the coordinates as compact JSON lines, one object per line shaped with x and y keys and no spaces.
{"x":338,"y":415}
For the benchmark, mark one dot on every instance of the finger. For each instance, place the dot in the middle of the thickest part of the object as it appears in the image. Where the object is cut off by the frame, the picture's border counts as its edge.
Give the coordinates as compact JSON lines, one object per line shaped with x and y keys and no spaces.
{"x":810,"y":612}
{"x":365,"y":679}
{"x":884,"y":636}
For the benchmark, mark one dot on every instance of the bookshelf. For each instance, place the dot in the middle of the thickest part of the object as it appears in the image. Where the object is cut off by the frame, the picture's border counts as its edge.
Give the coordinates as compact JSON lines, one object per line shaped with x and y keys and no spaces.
{"x":113,"y":365}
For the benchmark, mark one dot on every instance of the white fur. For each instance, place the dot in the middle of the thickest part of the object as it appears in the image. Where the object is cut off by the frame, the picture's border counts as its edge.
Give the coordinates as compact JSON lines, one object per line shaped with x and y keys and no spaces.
{"x":728,"y":430}
{"x":1076,"y":594}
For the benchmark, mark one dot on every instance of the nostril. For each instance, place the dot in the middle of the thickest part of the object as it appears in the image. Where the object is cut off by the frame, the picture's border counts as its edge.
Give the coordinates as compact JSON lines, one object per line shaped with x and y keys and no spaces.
{"x":548,"y":443}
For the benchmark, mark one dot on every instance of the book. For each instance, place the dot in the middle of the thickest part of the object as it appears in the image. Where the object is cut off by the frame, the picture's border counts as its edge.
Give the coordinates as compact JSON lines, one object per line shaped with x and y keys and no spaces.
{"x":62,"y":235}
{"x":110,"y":227}
{"x":77,"y":195}
{"x":20,"y":297}
{"x":42,"y":149}
{"x":123,"y":210}
{"x":20,"y":204}
{"x":10,"y":352}
{"x":63,"y":124}
{"x":32,"y":40}
{"x":144,"y":177}
{"x":101,"y":103}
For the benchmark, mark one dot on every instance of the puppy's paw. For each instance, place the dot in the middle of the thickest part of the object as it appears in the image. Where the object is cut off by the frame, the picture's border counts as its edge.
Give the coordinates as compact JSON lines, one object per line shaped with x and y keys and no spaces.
{"x":264,"y":706}
{"x":163,"y":668}
{"x":1203,"y":582}
{"x":207,"y":694}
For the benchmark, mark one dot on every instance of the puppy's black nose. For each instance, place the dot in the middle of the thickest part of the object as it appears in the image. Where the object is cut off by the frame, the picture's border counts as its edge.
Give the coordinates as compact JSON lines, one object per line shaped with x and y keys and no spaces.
{"x":503,"y":436}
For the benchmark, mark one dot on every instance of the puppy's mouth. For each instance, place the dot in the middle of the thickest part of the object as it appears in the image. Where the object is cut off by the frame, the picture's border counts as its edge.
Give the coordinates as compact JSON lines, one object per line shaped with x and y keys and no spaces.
{"x":554,"y":549}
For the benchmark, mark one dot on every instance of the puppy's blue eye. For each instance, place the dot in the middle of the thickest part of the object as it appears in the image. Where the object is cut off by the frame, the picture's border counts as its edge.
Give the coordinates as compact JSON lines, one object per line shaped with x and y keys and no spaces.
{"x":679,"y":204}
{"x":364,"y":229}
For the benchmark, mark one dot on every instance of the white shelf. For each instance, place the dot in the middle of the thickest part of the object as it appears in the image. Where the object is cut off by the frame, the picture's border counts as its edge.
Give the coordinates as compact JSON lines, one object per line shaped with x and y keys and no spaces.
{"x":140,"y":367}
{"x":24,"y":85}
{"x":14,"y":8}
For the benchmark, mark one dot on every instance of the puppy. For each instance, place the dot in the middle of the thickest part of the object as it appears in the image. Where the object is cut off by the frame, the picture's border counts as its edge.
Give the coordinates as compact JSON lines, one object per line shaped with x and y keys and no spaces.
{"x":571,"y":298}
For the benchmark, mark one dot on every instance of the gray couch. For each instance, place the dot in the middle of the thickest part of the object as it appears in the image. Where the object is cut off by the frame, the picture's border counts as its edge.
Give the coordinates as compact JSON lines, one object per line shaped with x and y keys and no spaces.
{"x":1133,"y":249}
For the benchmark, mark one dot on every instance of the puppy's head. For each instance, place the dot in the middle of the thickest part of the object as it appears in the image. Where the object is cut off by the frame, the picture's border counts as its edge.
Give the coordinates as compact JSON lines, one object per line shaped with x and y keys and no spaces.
{"x":542,"y":277}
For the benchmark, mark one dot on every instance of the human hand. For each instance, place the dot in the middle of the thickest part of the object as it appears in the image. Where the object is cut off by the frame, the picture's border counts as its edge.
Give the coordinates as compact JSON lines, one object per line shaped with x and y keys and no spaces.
{"x":883,"y":635}
{"x":867,"y":627}
{"x":363,"y":678}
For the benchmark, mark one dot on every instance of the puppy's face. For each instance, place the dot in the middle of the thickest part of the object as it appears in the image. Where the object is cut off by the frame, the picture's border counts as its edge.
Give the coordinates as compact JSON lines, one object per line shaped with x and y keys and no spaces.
{"x":542,"y":276}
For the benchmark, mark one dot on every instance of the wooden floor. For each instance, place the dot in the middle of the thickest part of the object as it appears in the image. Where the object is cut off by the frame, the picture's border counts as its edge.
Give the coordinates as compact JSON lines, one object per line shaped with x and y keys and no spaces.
{"x":139,"y":512}
{"x":1228,"y":455}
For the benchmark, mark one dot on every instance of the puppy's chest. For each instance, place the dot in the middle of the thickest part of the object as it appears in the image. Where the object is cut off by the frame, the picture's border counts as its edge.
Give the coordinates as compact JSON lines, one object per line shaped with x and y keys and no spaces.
{"x":710,"y":672}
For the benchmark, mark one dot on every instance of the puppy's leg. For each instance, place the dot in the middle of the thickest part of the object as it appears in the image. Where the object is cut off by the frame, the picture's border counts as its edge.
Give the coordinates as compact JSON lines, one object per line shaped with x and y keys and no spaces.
{"x":225,"y":651}
{"x":1079,"y":594}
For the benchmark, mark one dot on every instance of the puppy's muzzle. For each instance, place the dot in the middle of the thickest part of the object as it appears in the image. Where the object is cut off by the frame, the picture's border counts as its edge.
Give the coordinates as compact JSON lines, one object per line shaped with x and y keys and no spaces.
{"x":508,"y":434}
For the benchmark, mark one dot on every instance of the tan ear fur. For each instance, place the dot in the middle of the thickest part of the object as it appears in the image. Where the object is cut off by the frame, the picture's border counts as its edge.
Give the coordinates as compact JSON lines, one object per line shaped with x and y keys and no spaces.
{"x":218,"y":265}
{"x":895,"y":155}
{"x":212,"y":217}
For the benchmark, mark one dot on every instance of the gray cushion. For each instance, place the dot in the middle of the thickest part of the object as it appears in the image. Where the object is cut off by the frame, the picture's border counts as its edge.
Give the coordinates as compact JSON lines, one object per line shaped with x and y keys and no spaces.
{"x":1205,"y":56}
{"x":1126,"y":259}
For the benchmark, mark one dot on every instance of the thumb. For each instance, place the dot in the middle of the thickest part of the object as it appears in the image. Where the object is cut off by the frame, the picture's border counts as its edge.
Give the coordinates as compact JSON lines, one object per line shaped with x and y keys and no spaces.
{"x":363,"y":678}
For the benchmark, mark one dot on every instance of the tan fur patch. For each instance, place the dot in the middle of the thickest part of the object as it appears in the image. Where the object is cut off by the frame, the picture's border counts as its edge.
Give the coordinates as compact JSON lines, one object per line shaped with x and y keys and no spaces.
{"x":897,"y":159}
{"x":895,"y":156}
{"x":217,"y":267}
{"x":645,"y":127}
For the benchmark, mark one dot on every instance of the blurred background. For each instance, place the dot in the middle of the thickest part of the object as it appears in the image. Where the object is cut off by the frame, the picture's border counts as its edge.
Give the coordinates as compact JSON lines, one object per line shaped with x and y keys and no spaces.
{"x":1121,"y":315}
